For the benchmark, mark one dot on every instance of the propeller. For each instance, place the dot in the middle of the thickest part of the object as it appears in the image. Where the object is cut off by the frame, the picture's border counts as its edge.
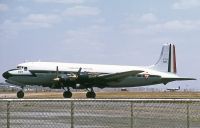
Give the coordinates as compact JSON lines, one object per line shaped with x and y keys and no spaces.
{"x":57,"y":78}
{"x":73,"y":76}
{"x":79,"y":72}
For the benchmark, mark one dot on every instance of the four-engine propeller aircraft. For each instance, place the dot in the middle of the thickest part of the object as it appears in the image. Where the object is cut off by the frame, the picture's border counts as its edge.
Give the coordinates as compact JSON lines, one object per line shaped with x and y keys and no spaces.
{"x":87,"y":76}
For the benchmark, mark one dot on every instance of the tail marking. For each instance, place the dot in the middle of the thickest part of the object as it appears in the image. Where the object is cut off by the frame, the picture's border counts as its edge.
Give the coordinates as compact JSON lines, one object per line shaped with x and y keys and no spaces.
{"x":167,"y":60}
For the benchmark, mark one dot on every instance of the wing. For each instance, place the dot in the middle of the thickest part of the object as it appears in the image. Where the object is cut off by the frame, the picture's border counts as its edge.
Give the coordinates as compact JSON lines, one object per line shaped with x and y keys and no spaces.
{"x":121,"y":75}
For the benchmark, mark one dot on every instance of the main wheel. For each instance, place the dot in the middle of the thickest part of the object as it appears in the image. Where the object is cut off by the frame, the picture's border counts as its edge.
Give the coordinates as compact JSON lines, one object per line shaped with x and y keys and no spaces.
{"x":67,"y":94}
{"x":20,"y":94}
{"x":90,"y":94}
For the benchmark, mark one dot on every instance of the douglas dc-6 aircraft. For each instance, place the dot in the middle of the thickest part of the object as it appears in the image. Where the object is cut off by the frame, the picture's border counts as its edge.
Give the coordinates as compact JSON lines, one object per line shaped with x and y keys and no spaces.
{"x":87,"y":76}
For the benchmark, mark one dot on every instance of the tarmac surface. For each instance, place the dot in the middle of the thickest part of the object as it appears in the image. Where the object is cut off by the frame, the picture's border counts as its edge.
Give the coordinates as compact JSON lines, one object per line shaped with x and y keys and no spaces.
{"x":106,"y":95}
{"x":102,"y":113}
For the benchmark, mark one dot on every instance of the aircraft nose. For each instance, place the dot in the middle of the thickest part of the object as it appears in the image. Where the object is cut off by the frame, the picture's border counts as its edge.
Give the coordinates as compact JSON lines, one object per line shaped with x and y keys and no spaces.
{"x":6,"y":75}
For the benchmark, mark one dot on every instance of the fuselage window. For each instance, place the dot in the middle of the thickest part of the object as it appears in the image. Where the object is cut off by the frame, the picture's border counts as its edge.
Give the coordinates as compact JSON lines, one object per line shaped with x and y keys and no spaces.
{"x":25,"y":68}
{"x":19,"y":67}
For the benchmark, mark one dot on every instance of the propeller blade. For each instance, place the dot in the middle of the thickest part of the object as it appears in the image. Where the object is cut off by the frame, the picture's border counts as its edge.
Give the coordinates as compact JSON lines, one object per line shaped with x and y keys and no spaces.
{"x":57,"y":78}
{"x":79,"y":71}
{"x":75,"y":76}
{"x":57,"y":71}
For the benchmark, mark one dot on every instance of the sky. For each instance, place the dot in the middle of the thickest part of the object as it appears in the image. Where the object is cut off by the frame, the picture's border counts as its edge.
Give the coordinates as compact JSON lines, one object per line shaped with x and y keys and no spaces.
{"x":120,"y":32}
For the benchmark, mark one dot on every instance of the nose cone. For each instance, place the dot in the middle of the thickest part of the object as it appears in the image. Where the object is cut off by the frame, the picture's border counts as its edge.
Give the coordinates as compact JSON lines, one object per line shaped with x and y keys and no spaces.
{"x":6,"y":75}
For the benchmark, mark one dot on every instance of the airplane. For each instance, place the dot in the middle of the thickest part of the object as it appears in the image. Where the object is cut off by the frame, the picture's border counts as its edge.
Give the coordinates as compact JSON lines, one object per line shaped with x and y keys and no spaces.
{"x":174,"y":89}
{"x":87,"y":76}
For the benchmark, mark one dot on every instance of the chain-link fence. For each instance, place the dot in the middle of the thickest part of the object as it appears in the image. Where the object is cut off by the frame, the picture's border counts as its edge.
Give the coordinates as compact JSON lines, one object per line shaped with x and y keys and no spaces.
{"x":100,"y":113}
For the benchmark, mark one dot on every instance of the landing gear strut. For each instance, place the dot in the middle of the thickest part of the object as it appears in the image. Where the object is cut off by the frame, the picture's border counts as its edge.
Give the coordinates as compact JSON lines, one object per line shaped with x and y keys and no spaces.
{"x":20,"y":94}
{"x":91,"y":94}
{"x":67,"y":94}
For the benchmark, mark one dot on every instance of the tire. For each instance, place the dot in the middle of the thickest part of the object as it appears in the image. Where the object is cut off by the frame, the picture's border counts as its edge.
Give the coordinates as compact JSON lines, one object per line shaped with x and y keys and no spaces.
{"x":91,"y":95}
{"x":67,"y":94}
{"x":20,"y":94}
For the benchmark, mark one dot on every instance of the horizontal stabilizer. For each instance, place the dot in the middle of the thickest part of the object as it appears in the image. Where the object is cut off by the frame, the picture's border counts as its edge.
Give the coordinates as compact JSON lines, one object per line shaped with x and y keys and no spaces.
{"x":186,"y":79}
{"x":178,"y":79}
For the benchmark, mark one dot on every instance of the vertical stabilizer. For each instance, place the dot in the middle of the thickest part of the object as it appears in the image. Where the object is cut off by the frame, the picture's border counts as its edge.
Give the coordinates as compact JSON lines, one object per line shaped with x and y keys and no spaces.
{"x":167,"y":60}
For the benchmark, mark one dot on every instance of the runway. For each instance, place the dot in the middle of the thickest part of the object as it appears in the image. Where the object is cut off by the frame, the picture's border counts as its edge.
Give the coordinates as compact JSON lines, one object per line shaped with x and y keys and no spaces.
{"x":106,"y":95}
{"x":102,"y":113}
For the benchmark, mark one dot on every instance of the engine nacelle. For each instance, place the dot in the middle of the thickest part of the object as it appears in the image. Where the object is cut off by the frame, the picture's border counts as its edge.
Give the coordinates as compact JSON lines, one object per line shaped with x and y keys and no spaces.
{"x":64,"y":79}
{"x":84,"y":77}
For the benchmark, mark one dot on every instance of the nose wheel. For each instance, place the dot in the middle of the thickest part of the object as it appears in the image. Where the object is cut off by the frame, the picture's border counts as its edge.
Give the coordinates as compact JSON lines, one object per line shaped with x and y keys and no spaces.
{"x":20,"y":94}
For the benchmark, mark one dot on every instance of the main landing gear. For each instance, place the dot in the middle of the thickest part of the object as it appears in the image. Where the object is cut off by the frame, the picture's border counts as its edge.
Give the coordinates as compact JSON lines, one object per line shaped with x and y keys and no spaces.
{"x":67,"y":94}
{"x":91,"y":93}
{"x":20,"y":94}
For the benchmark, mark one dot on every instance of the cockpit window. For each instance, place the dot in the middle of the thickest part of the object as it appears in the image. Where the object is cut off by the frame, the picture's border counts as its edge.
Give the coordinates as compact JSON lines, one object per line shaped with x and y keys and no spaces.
{"x":22,"y":67}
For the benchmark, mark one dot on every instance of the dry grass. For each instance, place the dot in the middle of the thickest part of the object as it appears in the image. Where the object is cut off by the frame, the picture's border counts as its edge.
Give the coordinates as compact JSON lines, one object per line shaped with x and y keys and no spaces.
{"x":110,"y":95}
{"x":151,"y":95}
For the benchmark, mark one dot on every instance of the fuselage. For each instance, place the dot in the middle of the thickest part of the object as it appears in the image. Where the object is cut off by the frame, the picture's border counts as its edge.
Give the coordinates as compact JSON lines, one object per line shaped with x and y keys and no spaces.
{"x":43,"y":73}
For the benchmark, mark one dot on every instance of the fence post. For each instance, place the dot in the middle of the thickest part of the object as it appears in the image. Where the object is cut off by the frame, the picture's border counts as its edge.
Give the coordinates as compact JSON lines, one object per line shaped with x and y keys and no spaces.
{"x":8,"y":114}
{"x":131,"y":114}
{"x":188,"y":115}
{"x":72,"y":114}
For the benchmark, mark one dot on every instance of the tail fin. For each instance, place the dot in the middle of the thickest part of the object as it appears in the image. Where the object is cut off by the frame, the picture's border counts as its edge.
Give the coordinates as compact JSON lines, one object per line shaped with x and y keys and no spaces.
{"x":167,"y":60}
